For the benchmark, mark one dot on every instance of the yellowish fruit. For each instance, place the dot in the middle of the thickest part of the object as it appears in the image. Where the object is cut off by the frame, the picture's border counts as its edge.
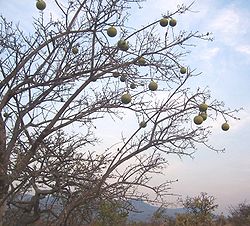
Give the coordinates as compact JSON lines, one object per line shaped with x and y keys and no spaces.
{"x":75,"y":50}
{"x":183,"y":70}
{"x":164,"y":22}
{"x":111,"y":31}
{"x":225,"y":126}
{"x":143,"y":124}
{"x":126,"y":98}
{"x":40,"y":4}
{"x":198,"y":120}
{"x":172,"y":22}
{"x":153,"y":86}
{"x":203,"y":107}
{"x":141,"y":61}
{"x":123,"y":45}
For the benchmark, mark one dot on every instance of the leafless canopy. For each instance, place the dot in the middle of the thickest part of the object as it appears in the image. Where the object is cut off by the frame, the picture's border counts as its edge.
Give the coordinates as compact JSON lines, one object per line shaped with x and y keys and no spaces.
{"x":52,"y":162}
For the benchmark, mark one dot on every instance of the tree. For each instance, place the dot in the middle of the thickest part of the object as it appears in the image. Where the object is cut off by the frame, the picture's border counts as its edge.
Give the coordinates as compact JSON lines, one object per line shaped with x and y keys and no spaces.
{"x":200,"y":210}
{"x":160,"y":217}
{"x":240,"y":215}
{"x":59,"y":80}
{"x":110,"y":214}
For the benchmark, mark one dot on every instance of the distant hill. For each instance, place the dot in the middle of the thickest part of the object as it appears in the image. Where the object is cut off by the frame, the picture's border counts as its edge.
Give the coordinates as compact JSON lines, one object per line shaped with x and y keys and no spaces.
{"x":144,"y":212}
{"x":147,"y":211}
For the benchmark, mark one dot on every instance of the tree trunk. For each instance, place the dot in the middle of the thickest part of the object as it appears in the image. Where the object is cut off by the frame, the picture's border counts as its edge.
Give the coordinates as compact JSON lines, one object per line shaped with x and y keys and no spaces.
{"x":2,"y":212}
{"x":3,"y":170}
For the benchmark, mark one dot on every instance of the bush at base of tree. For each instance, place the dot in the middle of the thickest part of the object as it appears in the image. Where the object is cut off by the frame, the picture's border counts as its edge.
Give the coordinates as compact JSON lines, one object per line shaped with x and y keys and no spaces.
{"x":240,"y":215}
{"x":199,"y":210}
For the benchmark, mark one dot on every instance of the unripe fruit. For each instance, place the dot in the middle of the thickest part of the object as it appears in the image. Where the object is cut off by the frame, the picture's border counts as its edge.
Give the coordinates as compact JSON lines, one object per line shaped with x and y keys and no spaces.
{"x":172,"y":22}
{"x":75,"y":50}
{"x":123,"y":78}
{"x":203,"y":107}
{"x":40,"y":4}
{"x":116,"y":74}
{"x":183,"y":70}
{"x":141,"y":61}
{"x":225,"y":126}
{"x":164,"y":22}
{"x":143,"y":124}
{"x":203,"y":115}
{"x":198,"y":120}
{"x":111,"y":31}
{"x":126,"y":98}
{"x":153,"y":86}
{"x":123,"y":45}
{"x":132,"y":85}
{"x":5,"y":114}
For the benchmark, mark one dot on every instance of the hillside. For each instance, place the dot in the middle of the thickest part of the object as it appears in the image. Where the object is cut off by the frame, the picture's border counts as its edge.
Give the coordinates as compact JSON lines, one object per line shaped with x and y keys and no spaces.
{"x":146,"y":211}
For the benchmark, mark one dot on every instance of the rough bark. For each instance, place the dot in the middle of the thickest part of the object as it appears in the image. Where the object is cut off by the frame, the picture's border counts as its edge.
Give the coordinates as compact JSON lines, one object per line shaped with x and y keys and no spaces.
{"x":3,"y":170}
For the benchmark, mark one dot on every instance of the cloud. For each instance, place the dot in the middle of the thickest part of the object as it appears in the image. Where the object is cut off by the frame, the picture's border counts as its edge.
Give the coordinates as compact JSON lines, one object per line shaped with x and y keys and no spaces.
{"x":227,"y":22}
{"x":229,"y":26}
{"x":209,"y":54}
{"x":245,"y":49}
{"x":243,"y":123}
{"x":236,"y":126}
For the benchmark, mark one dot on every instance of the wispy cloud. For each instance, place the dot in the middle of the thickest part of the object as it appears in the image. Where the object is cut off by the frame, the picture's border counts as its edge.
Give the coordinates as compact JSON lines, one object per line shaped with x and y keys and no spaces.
{"x":230,"y":25}
{"x":209,"y":53}
{"x":245,"y":49}
{"x":227,"y":22}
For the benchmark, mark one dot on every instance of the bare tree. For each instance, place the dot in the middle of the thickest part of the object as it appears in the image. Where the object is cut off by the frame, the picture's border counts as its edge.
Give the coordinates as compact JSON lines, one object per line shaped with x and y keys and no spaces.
{"x":68,"y":74}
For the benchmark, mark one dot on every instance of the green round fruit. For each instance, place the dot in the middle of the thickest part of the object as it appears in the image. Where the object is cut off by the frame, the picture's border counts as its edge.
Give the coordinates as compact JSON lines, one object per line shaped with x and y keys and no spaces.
{"x":203,"y":115}
{"x":123,"y":45}
{"x":164,"y":22}
{"x":153,"y":86}
{"x":143,"y":124}
{"x":132,"y":85}
{"x":5,"y":114}
{"x":75,"y":50}
{"x":172,"y":22}
{"x":111,"y":31}
{"x":126,"y":98}
{"x":116,"y":74}
{"x":198,"y":120}
{"x":203,"y":107}
{"x":40,"y":4}
{"x":225,"y":126}
{"x":141,"y":61}
{"x":123,"y":78}
{"x":183,"y":70}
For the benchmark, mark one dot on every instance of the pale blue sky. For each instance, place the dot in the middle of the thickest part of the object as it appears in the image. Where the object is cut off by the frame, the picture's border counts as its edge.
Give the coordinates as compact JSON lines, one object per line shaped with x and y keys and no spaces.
{"x":225,"y":64}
